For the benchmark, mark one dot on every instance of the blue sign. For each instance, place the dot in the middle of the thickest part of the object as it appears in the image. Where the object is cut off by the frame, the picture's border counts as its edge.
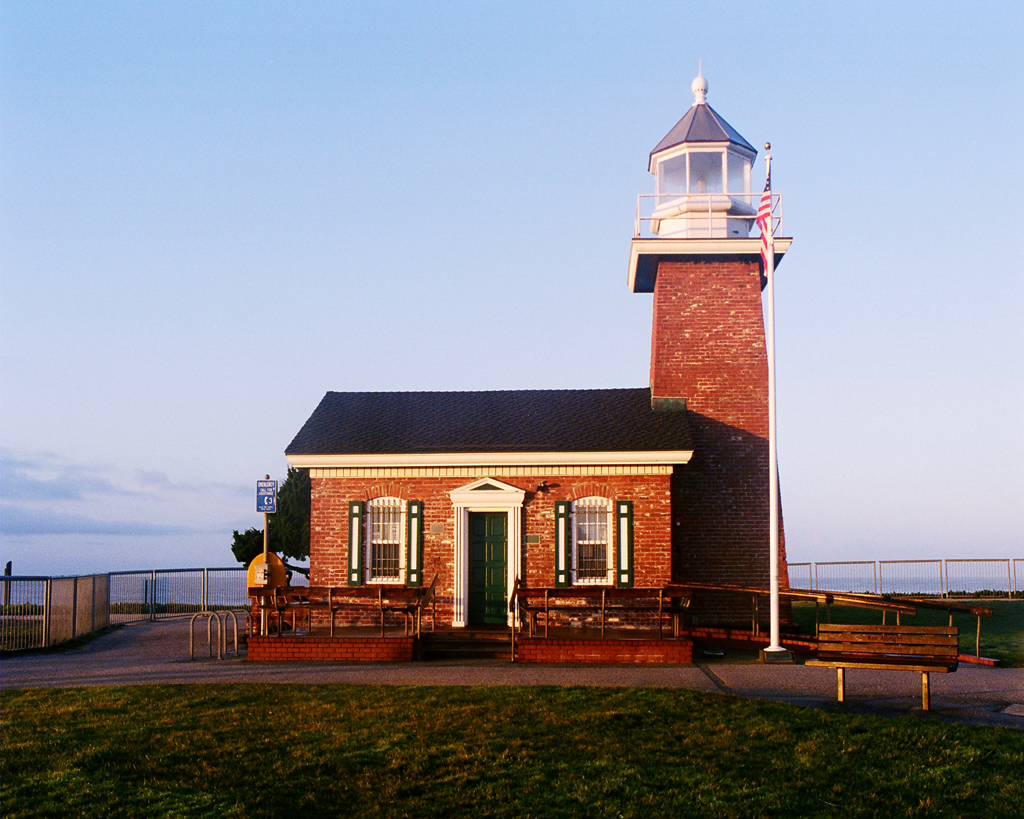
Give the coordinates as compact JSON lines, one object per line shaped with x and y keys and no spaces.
{"x":266,"y":496}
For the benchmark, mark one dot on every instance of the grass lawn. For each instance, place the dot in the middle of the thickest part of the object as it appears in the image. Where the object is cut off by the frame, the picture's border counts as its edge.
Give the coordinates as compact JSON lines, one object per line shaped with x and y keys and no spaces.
{"x":368,"y":751}
{"x":1002,"y":634}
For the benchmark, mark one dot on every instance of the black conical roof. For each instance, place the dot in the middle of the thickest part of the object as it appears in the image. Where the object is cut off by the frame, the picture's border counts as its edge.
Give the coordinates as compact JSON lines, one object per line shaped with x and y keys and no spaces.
{"x":702,"y":124}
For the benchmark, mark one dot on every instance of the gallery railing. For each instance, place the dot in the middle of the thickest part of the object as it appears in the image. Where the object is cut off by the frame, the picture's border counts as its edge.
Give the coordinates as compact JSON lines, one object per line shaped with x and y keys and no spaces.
{"x":706,"y":215}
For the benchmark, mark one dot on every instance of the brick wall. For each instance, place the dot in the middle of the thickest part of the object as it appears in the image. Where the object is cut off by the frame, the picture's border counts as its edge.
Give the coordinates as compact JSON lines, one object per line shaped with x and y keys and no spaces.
{"x":708,"y":346}
{"x":314,"y":649}
{"x":651,"y":496}
{"x":603,"y":652}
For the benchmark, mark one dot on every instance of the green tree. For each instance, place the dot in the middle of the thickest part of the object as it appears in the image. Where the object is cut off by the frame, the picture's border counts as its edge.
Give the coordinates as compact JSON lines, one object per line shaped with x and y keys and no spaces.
{"x":289,"y":526}
{"x":246,"y":545}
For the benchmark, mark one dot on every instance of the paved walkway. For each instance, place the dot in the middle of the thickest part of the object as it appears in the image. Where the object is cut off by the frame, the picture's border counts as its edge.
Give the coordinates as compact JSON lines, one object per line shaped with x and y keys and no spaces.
{"x":158,"y":653}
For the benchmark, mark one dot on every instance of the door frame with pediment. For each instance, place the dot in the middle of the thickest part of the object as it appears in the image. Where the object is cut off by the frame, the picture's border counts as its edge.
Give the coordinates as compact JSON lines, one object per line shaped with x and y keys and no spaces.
{"x":485,"y":495}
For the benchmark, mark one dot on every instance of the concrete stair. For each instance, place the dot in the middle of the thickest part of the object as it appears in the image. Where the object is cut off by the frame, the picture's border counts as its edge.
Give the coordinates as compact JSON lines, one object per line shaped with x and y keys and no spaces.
{"x":467,"y":644}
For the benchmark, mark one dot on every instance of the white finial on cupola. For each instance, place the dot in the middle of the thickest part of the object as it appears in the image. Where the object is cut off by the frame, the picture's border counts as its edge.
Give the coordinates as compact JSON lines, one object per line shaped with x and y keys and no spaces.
{"x":699,"y":87}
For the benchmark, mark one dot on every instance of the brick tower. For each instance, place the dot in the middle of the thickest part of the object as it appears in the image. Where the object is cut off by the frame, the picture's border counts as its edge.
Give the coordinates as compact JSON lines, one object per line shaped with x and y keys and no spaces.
{"x":693,"y":251}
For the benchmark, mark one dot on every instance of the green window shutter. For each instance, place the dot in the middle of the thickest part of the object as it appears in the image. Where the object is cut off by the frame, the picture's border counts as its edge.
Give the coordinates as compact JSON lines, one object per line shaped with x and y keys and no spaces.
{"x":624,"y":543}
{"x":414,"y":544}
{"x":563,"y":542}
{"x":356,"y":511}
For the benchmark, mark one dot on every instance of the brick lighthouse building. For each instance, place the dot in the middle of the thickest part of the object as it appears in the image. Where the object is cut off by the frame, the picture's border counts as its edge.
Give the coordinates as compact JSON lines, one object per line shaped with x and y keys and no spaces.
{"x":640,"y":487}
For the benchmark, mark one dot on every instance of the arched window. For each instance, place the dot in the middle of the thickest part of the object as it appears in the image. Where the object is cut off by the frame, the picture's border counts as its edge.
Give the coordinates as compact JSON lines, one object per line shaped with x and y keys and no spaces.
{"x":593,"y":557}
{"x":385,"y":540}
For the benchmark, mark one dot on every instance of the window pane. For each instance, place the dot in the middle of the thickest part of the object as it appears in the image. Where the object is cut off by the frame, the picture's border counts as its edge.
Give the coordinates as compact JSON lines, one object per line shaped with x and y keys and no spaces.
{"x":737,"y":179}
{"x":672,"y":175}
{"x":384,"y":533}
{"x":591,"y":529}
{"x":705,"y":172}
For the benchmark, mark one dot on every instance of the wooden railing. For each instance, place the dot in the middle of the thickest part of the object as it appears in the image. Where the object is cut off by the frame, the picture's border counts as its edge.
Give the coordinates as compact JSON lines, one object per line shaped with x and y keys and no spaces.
{"x":895,"y":604}
{"x":534,"y":601}
{"x":301,"y":601}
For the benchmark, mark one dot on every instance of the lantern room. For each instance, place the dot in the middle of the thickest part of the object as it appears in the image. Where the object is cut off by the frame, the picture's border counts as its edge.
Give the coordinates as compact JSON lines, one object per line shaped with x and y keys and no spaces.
{"x":702,"y":168}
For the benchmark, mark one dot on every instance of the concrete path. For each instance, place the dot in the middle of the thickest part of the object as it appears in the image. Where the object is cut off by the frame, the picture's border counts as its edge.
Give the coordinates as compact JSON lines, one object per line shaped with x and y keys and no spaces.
{"x":158,"y":653}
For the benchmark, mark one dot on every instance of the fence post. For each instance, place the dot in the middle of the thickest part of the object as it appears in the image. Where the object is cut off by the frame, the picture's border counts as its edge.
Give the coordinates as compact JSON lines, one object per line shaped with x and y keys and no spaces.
{"x":152,"y":595}
{"x":74,"y":609}
{"x":1009,"y":583}
{"x":47,"y":592}
{"x":945,"y":571}
{"x":874,"y":576}
{"x":206,"y":589}
{"x":815,"y":587}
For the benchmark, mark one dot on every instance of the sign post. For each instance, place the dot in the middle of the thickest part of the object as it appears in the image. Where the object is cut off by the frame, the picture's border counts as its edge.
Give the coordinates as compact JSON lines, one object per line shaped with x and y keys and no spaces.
{"x":266,"y":502}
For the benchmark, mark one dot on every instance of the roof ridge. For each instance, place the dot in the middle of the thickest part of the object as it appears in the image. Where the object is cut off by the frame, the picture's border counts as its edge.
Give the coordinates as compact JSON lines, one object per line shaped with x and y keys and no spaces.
{"x":731,"y":133}
{"x":483,"y":392}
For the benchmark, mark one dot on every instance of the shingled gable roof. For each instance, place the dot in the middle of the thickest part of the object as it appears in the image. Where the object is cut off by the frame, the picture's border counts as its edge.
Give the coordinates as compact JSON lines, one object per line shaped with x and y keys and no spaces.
{"x":702,"y":124}
{"x":363,"y":423}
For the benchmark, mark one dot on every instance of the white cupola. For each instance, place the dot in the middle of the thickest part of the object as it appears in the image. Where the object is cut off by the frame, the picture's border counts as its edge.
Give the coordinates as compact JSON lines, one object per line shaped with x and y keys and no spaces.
{"x":702,"y":168}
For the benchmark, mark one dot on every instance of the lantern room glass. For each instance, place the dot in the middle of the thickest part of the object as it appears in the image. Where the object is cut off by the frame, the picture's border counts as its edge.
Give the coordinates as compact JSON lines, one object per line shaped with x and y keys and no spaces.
{"x":672,"y":175}
{"x":739,"y":174}
{"x":706,"y":172}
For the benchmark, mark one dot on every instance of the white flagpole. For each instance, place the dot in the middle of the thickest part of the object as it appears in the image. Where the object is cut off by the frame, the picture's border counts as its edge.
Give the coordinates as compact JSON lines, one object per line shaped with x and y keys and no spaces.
{"x":773,"y":466}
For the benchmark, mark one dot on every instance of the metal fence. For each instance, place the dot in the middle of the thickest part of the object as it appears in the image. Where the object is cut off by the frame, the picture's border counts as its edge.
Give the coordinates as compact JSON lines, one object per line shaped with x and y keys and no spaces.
{"x":847,"y":576}
{"x":942,"y":578}
{"x":161,"y":593}
{"x":910,"y":577}
{"x":982,"y":578}
{"x":42,"y":611}
{"x":801,"y":576}
{"x":23,"y":620}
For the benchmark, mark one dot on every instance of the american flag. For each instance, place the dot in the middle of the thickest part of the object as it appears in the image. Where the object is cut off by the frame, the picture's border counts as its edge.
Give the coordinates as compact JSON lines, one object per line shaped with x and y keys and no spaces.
{"x":764,"y":218}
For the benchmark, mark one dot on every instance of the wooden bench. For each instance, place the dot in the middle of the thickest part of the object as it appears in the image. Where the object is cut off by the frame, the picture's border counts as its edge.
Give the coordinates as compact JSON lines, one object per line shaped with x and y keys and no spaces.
{"x":925,"y":649}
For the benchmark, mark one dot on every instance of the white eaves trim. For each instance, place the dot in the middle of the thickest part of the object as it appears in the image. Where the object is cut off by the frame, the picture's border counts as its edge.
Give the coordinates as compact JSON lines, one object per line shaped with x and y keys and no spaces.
{"x":699,"y":247}
{"x":657,"y":458}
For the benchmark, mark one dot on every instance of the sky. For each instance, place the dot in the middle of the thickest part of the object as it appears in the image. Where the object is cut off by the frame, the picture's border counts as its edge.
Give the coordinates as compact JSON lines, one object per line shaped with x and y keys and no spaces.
{"x":213,"y":213}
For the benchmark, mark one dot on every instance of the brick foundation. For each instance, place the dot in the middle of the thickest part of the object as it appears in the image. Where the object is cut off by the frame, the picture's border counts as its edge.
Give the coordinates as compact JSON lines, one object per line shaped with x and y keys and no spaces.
{"x":332,"y":649}
{"x":604,"y":652}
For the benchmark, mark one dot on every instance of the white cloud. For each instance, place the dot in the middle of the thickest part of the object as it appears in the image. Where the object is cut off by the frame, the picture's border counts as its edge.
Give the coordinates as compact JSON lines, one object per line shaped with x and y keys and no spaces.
{"x":16,"y":520}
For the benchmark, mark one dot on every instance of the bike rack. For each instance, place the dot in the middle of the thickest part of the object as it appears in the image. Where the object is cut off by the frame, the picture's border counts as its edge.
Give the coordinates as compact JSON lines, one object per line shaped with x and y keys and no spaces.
{"x":221,"y":618}
{"x":210,"y":617}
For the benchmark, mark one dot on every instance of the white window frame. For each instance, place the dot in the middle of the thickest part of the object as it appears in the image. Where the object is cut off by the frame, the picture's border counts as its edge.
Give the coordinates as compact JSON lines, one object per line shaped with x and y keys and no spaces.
{"x":609,"y":510}
{"x":400,"y":507}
